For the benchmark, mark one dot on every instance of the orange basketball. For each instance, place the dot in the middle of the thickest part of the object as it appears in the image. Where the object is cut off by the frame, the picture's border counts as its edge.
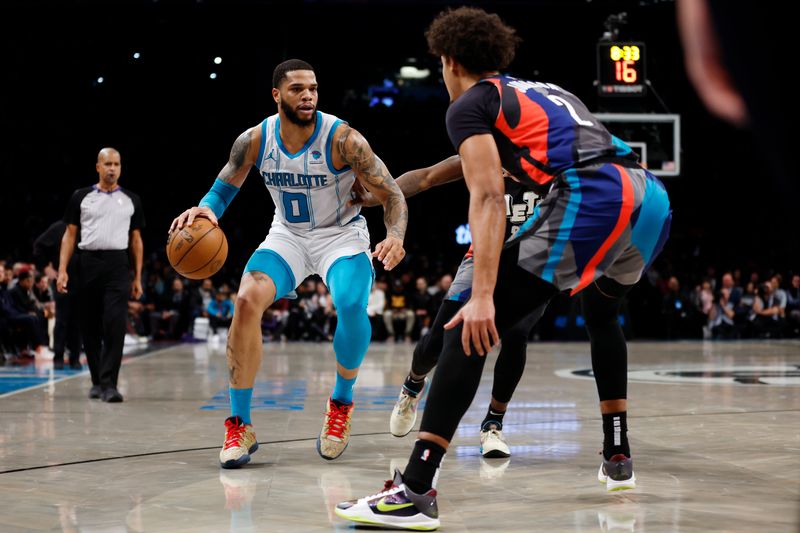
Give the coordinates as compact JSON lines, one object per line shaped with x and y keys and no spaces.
{"x":197,"y":251}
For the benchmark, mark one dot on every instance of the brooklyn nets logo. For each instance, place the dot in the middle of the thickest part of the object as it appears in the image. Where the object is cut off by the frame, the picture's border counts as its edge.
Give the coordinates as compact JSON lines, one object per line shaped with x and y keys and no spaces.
{"x":776,"y":376}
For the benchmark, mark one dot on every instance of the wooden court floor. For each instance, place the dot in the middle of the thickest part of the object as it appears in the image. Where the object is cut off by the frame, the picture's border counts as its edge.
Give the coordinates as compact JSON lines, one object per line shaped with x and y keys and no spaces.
{"x":714,"y":430}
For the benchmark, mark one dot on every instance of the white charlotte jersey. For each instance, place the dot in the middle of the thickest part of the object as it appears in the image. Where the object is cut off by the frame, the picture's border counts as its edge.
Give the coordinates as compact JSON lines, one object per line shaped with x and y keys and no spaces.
{"x":308,"y":192}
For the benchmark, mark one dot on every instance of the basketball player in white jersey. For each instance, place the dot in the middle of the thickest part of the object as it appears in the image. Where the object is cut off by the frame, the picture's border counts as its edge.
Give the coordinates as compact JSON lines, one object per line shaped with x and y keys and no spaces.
{"x":309,"y":162}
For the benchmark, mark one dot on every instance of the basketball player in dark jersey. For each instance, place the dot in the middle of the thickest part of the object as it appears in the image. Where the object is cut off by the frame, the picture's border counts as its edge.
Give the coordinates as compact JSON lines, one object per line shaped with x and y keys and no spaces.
{"x":519,"y":204}
{"x":602,"y":222}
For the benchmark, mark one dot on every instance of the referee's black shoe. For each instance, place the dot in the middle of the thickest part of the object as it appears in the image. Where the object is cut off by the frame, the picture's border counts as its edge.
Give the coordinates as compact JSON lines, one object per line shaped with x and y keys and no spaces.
{"x":95,"y":392}
{"x":111,"y":395}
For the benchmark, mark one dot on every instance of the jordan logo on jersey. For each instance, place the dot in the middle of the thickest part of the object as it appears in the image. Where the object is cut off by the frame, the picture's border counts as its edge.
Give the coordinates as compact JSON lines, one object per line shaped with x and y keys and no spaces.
{"x":272,"y":155}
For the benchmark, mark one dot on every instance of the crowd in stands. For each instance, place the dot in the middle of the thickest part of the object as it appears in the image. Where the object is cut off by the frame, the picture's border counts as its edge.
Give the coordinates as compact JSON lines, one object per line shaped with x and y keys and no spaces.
{"x":26,"y":304}
{"x":401,"y":308}
{"x":731,"y":307}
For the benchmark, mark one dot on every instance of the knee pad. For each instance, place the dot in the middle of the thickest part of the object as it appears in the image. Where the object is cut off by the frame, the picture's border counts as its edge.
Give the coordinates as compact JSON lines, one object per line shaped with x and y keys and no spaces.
{"x":350,"y":280}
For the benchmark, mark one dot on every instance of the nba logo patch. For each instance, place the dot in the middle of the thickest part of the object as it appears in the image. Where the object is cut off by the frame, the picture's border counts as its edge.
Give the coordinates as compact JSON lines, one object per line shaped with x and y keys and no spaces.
{"x":425,"y":455}
{"x":316,"y":156}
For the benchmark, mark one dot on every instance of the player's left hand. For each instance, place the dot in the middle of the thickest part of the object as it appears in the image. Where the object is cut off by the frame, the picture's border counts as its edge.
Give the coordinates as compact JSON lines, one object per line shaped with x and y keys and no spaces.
{"x":389,"y":252}
{"x":479,"y":328}
{"x":136,"y":289}
{"x":359,"y":195}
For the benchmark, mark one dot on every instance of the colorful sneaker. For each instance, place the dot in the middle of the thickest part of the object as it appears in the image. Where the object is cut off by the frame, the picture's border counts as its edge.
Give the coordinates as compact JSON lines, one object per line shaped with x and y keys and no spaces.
{"x":335,"y":434}
{"x":493,"y":444}
{"x":404,"y":414}
{"x":240,"y":442}
{"x":617,"y":473}
{"x":396,"y":506}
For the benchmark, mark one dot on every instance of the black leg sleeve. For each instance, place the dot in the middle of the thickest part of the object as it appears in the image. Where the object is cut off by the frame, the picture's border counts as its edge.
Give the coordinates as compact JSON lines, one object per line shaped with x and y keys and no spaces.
{"x":601,"y":304}
{"x":511,"y":360}
{"x":427,"y":350}
{"x":517,"y":294}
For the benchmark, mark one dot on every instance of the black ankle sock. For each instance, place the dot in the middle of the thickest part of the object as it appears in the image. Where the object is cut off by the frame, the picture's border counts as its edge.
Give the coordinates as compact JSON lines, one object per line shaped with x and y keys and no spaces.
{"x":493,"y":416}
{"x":615,"y":435}
{"x":413,"y":387}
{"x":423,"y":465}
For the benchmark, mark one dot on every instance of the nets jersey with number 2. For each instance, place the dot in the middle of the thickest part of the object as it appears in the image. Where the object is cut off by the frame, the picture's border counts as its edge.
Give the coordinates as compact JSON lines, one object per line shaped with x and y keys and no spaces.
{"x":308,"y":191}
{"x":540,"y":129}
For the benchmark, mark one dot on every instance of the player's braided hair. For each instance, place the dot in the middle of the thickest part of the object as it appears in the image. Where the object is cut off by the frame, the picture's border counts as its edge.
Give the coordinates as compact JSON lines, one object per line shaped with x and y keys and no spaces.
{"x":478,"y":40}
{"x":279,"y":74}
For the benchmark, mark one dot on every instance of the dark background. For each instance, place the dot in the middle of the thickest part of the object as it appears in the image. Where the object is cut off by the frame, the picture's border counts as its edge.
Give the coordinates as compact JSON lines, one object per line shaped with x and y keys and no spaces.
{"x":174,"y":125}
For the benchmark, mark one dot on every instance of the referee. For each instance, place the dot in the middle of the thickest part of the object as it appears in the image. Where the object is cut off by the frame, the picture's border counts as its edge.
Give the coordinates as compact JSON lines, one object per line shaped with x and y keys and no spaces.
{"x":105,"y":220}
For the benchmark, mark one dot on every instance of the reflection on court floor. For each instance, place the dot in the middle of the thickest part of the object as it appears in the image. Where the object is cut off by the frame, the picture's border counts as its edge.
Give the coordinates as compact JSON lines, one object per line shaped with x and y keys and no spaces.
{"x":713,"y":428}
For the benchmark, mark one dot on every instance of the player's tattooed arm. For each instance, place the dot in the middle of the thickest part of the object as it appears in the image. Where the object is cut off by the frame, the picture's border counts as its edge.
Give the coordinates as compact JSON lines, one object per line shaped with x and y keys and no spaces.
{"x":416,"y":181}
{"x":243,"y":155}
{"x":375,"y":177}
{"x":373,"y":174}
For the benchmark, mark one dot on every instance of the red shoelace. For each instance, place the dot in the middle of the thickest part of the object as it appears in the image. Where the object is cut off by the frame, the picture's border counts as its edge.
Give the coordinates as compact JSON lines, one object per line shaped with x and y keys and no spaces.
{"x":337,"y":419}
{"x":233,"y":435}
{"x":387,"y":485}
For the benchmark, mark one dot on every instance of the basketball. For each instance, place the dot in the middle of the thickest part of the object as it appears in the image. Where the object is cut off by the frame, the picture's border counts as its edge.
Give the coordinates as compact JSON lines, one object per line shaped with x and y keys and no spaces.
{"x":197,"y":251}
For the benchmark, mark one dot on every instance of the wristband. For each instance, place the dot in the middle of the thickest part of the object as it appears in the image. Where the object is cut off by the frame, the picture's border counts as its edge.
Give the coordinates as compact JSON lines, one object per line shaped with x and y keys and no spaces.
{"x":219,"y":197}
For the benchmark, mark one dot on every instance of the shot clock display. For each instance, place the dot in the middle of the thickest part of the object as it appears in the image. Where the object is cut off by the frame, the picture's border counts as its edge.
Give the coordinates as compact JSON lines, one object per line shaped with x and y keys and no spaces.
{"x":620,"y":69}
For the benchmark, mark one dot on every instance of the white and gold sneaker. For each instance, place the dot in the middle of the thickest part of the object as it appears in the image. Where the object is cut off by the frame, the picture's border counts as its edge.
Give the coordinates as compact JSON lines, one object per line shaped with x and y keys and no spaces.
{"x":404,"y":414}
{"x":335,"y":434}
{"x":240,"y":442}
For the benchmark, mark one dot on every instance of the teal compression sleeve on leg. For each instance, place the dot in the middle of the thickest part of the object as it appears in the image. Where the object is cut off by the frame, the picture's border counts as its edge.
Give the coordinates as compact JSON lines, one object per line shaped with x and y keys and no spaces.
{"x":350,"y":280}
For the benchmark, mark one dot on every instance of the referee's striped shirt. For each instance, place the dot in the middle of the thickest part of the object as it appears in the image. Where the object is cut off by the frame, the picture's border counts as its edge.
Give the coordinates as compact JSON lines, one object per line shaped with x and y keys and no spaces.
{"x":104,"y":219}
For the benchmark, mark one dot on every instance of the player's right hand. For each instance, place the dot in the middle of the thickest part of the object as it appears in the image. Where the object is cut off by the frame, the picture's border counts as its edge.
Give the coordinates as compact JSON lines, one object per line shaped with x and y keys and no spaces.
{"x":479,"y":328}
{"x":389,"y":252}
{"x":61,"y":282}
{"x":187,"y":217}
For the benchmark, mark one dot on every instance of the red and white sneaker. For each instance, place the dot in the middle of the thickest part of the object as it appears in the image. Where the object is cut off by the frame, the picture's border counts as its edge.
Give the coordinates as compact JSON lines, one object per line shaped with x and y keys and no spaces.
{"x":335,"y":434}
{"x":240,"y":442}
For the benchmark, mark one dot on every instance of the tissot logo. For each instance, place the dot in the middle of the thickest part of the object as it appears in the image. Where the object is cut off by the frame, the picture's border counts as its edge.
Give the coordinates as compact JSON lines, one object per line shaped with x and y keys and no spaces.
{"x":777,"y":375}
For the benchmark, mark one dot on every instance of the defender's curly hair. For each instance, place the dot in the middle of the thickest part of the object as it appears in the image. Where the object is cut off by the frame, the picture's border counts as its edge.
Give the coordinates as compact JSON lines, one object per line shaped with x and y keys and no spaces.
{"x":478,"y":40}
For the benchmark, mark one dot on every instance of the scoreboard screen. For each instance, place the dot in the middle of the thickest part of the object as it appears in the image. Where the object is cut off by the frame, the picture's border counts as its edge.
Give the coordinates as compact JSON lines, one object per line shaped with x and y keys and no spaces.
{"x":621,"y":69}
